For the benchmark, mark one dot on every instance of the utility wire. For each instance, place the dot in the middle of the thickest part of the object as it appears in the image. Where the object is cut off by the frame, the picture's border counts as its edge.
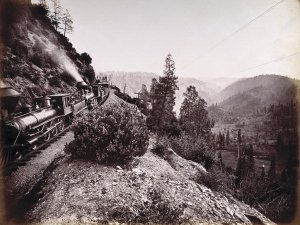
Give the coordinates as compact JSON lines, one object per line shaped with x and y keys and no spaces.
{"x":266,"y":63}
{"x":235,"y":32}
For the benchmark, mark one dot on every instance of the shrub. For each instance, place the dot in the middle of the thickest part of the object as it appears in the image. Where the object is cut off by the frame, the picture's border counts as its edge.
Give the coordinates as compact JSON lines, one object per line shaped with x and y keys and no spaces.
{"x":38,"y":90}
{"x":159,"y":210}
{"x":217,"y":179}
{"x":86,"y":58}
{"x":161,"y":146}
{"x":19,"y":48}
{"x":196,"y":149}
{"x":38,"y":59}
{"x":55,"y":81}
{"x":89,"y":73}
{"x":113,"y":134}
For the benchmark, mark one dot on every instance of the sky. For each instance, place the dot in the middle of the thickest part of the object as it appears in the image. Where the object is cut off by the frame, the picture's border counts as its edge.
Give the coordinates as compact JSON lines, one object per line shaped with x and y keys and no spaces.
{"x":137,"y":35}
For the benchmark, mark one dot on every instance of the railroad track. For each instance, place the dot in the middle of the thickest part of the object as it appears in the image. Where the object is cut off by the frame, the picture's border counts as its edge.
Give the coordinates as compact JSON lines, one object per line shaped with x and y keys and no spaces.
{"x":30,"y":153}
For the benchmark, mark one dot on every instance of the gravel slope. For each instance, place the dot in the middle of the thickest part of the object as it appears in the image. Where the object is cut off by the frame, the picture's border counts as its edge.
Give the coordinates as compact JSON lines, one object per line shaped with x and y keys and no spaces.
{"x":86,"y":192}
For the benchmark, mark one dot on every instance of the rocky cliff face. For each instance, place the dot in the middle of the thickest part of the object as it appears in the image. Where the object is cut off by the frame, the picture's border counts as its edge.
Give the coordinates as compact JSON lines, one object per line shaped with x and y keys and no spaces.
{"x":37,"y":59}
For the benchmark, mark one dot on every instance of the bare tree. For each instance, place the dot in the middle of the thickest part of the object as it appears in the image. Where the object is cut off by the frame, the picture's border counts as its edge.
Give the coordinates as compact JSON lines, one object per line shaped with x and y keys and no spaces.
{"x":56,"y":14}
{"x":67,"y":23}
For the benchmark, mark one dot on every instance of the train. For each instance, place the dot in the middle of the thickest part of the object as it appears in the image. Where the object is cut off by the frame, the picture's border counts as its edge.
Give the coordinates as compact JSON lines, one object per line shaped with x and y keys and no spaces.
{"x":47,"y":116}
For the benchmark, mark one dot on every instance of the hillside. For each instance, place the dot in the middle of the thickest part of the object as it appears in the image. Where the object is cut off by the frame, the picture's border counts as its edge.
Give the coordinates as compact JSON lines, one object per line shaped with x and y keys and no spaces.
{"x":132,"y":82}
{"x":138,"y":194}
{"x":223,"y":82}
{"x":274,"y":87}
{"x":148,"y":189}
{"x":250,"y":95}
{"x":37,"y":59}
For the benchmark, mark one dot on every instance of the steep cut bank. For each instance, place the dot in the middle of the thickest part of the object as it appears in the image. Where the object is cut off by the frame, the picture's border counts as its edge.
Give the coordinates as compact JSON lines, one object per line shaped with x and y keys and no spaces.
{"x":37,"y":59}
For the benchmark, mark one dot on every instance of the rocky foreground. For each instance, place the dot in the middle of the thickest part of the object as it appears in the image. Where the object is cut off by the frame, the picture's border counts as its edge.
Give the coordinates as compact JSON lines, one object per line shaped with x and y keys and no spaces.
{"x":151,"y":190}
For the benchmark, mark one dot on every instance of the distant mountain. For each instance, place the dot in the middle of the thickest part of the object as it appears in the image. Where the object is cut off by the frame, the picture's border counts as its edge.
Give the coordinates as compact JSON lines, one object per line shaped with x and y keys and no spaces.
{"x":273,"y":84}
{"x":132,"y":82}
{"x":223,"y":82}
{"x":248,"y":95}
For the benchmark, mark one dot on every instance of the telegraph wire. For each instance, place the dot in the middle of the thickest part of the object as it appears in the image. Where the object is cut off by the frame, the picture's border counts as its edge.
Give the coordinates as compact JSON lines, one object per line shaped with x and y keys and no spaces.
{"x":266,"y":63}
{"x":235,"y":32}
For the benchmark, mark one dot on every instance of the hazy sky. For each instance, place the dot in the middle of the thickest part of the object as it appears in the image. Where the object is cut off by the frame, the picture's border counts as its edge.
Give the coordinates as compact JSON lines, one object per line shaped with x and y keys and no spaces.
{"x":136,"y":35}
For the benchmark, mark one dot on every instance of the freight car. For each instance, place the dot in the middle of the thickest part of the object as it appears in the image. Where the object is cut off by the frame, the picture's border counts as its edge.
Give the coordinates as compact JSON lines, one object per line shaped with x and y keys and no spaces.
{"x":45,"y":118}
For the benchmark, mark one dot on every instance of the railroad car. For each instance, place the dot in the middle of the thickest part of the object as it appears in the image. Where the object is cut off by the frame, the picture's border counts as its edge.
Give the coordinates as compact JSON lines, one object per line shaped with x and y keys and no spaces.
{"x":45,"y":118}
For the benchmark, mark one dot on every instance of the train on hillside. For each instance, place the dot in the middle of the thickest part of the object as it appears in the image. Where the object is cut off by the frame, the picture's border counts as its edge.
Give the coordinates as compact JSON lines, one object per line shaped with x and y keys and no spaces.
{"x":47,"y":116}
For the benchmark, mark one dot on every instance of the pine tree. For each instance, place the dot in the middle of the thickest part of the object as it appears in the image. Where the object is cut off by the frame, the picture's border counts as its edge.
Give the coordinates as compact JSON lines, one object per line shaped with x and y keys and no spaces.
{"x":227,"y":138}
{"x":144,"y":99}
{"x":251,"y":162}
{"x":239,"y":138}
{"x":240,"y":171}
{"x":193,"y":114}
{"x":162,"y":115}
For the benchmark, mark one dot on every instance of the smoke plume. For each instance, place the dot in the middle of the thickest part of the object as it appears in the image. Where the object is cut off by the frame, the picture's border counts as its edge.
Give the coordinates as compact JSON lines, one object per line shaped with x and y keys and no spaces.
{"x":57,"y":54}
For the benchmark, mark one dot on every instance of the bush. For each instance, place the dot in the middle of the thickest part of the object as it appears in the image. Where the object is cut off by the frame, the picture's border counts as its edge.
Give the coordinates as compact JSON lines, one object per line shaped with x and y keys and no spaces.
{"x":161,"y":146}
{"x":154,"y":210}
{"x":195,"y":149}
{"x":54,"y":81}
{"x":113,"y":134}
{"x":38,"y":59}
{"x":159,"y":210}
{"x":86,"y":58}
{"x":19,"y":49}
{"x":217,"y":179}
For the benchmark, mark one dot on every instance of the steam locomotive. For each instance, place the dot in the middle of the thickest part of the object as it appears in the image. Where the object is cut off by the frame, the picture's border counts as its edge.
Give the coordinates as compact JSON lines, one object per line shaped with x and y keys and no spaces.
{"x":45,"y":118}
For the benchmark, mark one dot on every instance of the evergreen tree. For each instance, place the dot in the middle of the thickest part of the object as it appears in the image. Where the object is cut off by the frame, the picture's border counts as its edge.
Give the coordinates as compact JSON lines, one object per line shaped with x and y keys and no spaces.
{"x":193,"y":114}
{"x":240,"y":171}
{"x":227,"y":138}
{"x":144,"y":99}
{"x":239,"y":138}
{"x":162,"y":116}
{"x":251,"y":162}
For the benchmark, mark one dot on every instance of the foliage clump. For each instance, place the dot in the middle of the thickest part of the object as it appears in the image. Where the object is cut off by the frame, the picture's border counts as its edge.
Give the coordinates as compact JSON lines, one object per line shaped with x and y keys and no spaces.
{"x":155,"y":210}
{"x":198,"y":150}
{"x":113,"y":134}
{"x":217,"y":179}
{"x":161,"y":146}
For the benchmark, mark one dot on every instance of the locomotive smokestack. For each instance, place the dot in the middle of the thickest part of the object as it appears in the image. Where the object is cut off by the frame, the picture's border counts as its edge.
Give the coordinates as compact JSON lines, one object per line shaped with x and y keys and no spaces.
{"x":9,"y":99}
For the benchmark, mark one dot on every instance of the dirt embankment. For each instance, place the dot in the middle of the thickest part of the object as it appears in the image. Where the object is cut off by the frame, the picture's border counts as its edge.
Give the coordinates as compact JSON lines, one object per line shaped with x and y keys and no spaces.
{"x":86,"y":192}
{"x":150,"y":189}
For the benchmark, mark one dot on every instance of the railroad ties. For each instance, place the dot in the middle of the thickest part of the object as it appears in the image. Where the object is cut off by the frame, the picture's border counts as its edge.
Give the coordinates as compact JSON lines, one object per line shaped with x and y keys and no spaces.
{"x":31,"y":153}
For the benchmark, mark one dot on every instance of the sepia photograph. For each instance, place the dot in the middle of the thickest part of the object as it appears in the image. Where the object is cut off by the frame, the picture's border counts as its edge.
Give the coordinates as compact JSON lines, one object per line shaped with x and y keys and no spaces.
{"x":149,"y":112}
